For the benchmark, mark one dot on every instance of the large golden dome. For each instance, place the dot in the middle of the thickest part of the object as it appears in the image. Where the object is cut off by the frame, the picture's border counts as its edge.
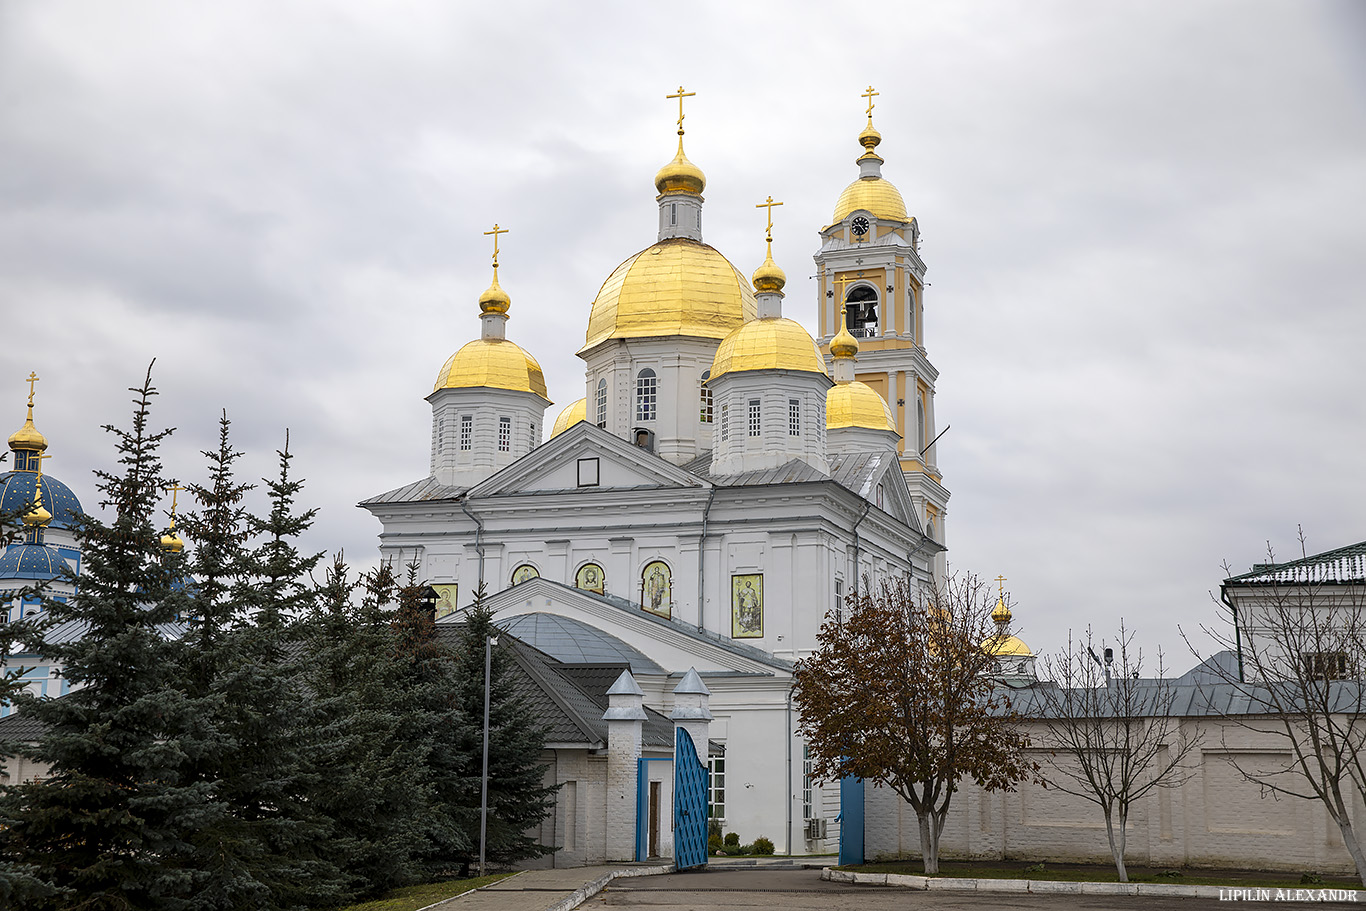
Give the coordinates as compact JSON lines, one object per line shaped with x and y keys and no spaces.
{"x":495,"y":363}
{"x":767,"y":344}
{"x":874,"y":195}
{"x":857,"y":405}
{"x":572,"y":414}
{"x":676,"y":287}
{"x":1001,"y":644}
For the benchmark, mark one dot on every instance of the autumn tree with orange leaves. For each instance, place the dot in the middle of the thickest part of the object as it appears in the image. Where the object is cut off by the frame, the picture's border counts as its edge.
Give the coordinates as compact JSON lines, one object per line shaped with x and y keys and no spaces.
{"x":900,"y":693}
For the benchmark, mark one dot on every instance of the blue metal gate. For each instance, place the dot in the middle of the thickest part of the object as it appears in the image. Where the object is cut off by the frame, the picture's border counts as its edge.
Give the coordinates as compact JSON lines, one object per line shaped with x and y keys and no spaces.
{"x":851,"y":820}
{"x":690,"y":804}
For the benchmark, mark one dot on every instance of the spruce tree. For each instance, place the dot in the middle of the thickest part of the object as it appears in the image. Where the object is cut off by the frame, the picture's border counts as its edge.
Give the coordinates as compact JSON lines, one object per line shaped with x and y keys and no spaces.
{"x":118,"y":806}
{"x":518,"y":799}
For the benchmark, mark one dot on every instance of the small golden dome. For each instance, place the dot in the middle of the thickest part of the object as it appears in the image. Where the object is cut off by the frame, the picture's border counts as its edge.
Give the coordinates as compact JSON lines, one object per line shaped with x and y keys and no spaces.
{"x":676,"y":287}
{"x":1001,"y":645}
{"x":172,"y":541}
{"x":857,"y":405}
{"x":571,"y":415}
{"x":1001,"y":614}
{"x":494,"y":363}
{"x":38,"y":516}
{"x":494,"y":299}
{"x":869,"y":138}
{"x":872,"y":194}
{"x":27,"y":438}
{"x":769,"y":277}
{"x":680,"y":175}
{"x":767,"y":344}
{"x":843,"y":345}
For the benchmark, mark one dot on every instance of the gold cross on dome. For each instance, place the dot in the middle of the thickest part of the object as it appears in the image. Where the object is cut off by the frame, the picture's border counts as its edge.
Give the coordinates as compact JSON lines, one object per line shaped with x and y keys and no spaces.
{"x":870,"y":95}
{"x":1000,"y":584}
{"x":40,"y":456}
{"x":32,"y":378}
{"x":495,"y":232}
{"x":680,"y":95}
{"x":173,"y":489}
{"x":769,"y":204}
{"x":844,"y":283}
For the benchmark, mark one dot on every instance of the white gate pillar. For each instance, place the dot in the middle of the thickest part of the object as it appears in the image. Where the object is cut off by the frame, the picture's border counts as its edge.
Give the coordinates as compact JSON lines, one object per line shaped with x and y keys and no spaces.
{"x":625,"y":719}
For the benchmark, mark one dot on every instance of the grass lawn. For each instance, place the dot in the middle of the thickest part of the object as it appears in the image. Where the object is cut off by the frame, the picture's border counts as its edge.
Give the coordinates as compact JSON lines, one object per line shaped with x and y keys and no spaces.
{"x":1096,"y":873}
{"x":410,"y":898}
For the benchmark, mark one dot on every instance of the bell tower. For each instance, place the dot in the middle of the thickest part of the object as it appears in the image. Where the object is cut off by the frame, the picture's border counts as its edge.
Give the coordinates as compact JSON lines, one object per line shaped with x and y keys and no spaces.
{"x":869,"y":267}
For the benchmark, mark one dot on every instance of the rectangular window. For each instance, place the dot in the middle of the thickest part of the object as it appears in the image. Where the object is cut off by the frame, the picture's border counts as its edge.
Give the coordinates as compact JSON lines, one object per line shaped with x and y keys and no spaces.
{"x":588,"y":472}
{"x":725,"y":423}
{"x":706,"y":404}
{"x":1327,"y":665}
{"x":504,"y":434}
{"x":839,"y":600}
{"x":602,"y":403}
{"x":647,"y":402}
{"x":879,"y":496}
{"x":807,"y":802}
{"x":440,"y":434}
{"x":466,"y":432}
{"x":716,"y":790}
{"x":535,"y":434}
{"x":755,"y":427}
{"x":794,"y":418}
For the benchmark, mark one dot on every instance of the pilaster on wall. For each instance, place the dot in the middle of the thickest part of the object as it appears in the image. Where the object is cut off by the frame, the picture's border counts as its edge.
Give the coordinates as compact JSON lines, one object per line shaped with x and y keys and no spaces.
{"x":625,"y":719}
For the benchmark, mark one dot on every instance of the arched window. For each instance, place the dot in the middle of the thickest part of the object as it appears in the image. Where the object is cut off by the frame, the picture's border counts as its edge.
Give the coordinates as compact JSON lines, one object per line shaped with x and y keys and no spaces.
{"x":656,"y":588}
{"x":919,"y":427}
{"x":862,"y":312}
{"x":706,"y":398}
{"x":591,"y":578}
{"x":647,"y":395}
{"x":602,"y":403}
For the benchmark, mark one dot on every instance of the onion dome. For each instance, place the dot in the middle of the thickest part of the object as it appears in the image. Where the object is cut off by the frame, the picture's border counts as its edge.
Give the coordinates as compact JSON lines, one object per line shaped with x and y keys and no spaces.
{"x":843,"y":345}
{"x":871,"y":192}
{"x":856,"y":404}
{"x":495,"y":363}
{"x":20,"y":489}
{"x":494,"y":299}
{"x":1002,"y":643}
{"x":571,"y":415}
{"x":768,"y":277}
{"x":38,"y":516}
{"x":767,"y":344}
{"x":31,"y":563}
{"x":27,"y":438}
{"x":1001,"y":613}
{"x":172,"y":541}
{"x":676,"y":287}
{"x":680,"y":175}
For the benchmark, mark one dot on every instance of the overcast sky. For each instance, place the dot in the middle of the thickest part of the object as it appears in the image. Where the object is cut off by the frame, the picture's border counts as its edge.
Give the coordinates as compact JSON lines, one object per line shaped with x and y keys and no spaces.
{"x":1143,"y":225}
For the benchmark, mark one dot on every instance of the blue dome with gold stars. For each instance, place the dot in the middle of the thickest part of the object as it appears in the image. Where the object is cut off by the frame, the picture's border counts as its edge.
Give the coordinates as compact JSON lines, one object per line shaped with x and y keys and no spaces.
{"x":31,"y":563}
{"x":16,"y":493}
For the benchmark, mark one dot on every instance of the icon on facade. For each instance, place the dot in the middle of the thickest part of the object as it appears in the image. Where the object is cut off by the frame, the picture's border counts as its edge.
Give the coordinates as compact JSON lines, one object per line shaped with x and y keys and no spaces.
{"x":747,"y":606}
{"x":447,"y":596}
{"x":657,"y":589}
{"x":590,"y":578}
{"x":524,"y":573}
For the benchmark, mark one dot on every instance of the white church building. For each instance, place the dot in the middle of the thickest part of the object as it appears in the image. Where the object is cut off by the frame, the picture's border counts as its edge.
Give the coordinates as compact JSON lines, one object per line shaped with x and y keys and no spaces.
{"x":726,"y":480}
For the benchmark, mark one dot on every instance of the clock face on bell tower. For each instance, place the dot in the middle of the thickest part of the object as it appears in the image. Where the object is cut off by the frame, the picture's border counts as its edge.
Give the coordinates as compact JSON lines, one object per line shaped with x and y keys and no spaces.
{"x":859,"y":226}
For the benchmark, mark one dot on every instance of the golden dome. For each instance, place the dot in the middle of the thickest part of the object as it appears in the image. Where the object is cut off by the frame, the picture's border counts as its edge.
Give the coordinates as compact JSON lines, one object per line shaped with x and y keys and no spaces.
{"x":172,"y":541}
{"x":843,"y":345}
{"x":769,"y":277}
{"x":1001,"y":613}
{"x":1001,"y":645}
{"x":494,"y":363}
{"x":38,"y":516}
{"x":494,"y":299}
{"x":767,"y":344}
{"x":857,"y":405}
{"x":680,"y":175}
{"x":571,"y":415}
{"x":27,"y":437}
{"x":676,"y":287}
{"x":869,"y":138}
{"x":872,"y":194}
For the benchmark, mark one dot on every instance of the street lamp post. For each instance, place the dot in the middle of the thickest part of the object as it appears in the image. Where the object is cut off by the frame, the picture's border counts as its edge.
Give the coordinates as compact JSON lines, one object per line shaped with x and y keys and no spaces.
{"x":489,"y":643}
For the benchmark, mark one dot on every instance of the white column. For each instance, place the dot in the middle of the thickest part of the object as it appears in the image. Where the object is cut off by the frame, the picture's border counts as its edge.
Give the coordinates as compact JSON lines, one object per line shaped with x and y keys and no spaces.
{"x":625,"y":719}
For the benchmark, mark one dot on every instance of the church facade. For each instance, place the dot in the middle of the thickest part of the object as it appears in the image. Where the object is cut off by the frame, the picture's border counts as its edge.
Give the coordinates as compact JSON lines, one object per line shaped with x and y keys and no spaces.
{"x":726,"y":481}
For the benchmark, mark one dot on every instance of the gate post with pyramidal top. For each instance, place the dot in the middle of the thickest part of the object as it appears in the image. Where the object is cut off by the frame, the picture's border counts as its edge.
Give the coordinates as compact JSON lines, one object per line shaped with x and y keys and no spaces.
{"x":625,"y":719}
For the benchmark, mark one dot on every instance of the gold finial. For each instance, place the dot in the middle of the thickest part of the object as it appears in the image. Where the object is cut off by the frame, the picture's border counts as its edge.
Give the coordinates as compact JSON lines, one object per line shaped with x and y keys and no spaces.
{"x":38,"y":516}
{"x":870,"y":95}
{"x":1001,"y":614}
{"x":172,"y":541}
{"x":27,"y":438}
{"x":843,"y":344}
{"x":1000,"y":585}
{"x":495,"y":299}
{"x":768,"y":277}
{"x":680,"y":95}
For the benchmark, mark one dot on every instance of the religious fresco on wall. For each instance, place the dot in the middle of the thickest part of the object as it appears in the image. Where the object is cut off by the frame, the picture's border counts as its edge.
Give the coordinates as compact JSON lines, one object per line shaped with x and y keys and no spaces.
{"x":656,"y":588}
{"x":525,"y":572}
{"x":747,"y":606}
{"x":446,"y":598}
{"x":590,"y":578}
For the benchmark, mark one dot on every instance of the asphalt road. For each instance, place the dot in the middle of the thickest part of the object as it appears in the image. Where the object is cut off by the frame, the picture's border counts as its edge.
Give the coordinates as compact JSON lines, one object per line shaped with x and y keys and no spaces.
{"x":803,"y":890}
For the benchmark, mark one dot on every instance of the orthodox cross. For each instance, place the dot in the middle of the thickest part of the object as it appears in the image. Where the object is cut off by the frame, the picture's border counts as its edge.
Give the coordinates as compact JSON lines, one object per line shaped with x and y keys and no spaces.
{"x":769,"y":204}
{"x":173,"y":489}
{"x":870,"y":95}
{"x":40,"y":456}
{"x":680,"y":95}
{"x":495,"y":232}
{"x":32,"y":378}
{"x":1000,"y":585}
{"x":844,"y":283}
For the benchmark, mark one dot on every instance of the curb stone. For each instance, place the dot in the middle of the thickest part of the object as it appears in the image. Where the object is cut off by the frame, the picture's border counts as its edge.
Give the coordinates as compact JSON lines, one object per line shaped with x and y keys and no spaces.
{"x":587,"y":891}
{"x":954,"y":884}
{"x":463,"y":894}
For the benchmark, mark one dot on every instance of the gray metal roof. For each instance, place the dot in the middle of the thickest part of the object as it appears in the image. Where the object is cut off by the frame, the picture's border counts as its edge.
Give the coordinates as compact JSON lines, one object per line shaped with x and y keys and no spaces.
{"x":1345,"y":564}
{"x":855,"y":471}
{"x":426,"y":489}
{"x":575,"y":642}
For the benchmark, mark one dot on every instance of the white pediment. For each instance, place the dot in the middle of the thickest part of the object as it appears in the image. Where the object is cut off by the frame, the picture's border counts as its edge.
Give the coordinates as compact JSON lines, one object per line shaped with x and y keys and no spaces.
{"x":609,"y":460}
